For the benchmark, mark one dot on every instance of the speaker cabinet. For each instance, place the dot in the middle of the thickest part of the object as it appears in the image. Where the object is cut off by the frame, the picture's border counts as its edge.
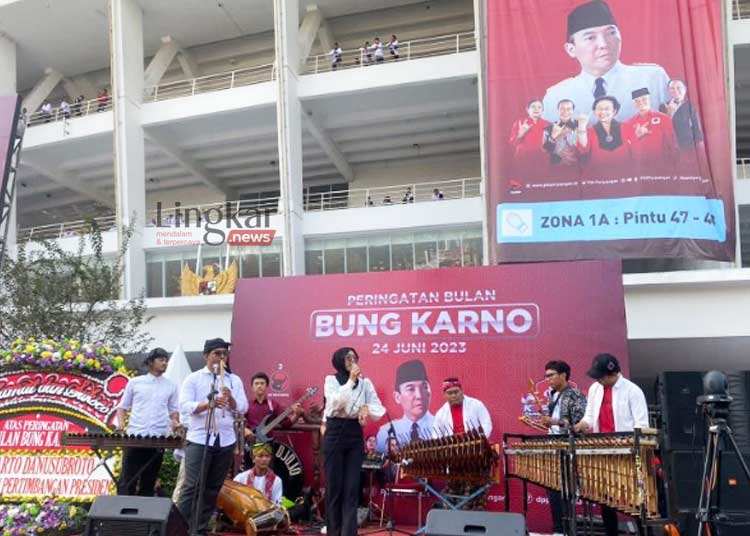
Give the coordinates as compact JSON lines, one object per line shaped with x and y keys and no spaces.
{"x":685,"y":469}
{"x":125,"y":515}
{"x":462,"y":522}
{"x":676,"y":394}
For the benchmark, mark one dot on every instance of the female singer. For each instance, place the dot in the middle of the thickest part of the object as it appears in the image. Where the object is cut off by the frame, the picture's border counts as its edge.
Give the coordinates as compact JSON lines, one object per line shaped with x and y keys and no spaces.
{"x":350,"y":400}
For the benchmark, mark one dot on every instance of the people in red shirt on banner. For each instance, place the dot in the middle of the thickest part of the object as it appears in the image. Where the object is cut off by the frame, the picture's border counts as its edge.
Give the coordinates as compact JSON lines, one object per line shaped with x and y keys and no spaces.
{"x":603,"y":147}
{"x":526,"y":138}
{"x":615,"y":404}
{"x":261,"y":406}
{"x":560,"y":140}
{"x":651,"y":135}
{"x":461,"y":412}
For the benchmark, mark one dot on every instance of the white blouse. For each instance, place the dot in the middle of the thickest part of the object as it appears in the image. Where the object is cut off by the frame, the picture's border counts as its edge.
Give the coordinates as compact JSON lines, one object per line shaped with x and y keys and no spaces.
{"x":345,"y":401}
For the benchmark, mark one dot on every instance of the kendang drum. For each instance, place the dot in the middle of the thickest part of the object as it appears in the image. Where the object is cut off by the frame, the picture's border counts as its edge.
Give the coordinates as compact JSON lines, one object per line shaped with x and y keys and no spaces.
{"x":250,"y":511}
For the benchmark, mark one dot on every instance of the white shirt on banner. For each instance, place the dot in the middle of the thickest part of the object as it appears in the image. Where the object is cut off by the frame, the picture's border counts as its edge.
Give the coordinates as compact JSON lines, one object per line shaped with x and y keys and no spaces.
{"x":628,"y":405}
{"x":150,"y":400}
{"x":619,"y":82}
{"x":403,"y":427}
{"x":259,"y":483}
{"x":195,"y":390}
{"x":474,"y":412}
{"x":345,"y":401}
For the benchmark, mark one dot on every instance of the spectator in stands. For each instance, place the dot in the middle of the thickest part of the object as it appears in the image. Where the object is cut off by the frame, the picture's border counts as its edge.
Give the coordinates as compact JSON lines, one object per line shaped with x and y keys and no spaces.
{"x":437,"y":195}
{"x":393,"y":47}
{"x":21,"y":125}
{"x":369,"y":202}
{"x":408,"y":196}
{"x":336,"y":56}
{"x":78,"y":105}
{"x":65,"y":109}
{"x":365,"y":54}
{"x":103,"y":100}
{"x":387,"y":200}
{"x":47,"y":112}
{"x":377,"y":50}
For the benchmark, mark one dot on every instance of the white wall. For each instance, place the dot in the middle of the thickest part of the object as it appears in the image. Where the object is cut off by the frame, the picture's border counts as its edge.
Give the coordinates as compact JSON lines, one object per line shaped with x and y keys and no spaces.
{"x":706,"y":303}
{"x":189,"y":196}
{"x":416,"y":170}
{"x":205,"y":317}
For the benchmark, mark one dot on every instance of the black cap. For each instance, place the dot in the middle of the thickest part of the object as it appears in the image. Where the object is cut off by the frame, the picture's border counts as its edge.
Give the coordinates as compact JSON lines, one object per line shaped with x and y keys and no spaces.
{"x":411,"y":371}
{"x":589,"y":15}
{"x":153,"y":354}
{"x":640,"y":92}
{"x":212,"y":344}
{"x":603,"y":365}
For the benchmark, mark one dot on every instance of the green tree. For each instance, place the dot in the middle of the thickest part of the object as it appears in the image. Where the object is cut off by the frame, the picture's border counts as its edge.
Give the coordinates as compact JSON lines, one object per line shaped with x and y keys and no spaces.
{"x":49,"y":292}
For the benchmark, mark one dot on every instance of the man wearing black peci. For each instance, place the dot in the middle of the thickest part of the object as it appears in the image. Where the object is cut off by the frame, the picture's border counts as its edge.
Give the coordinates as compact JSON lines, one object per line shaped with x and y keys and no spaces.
{"x":209,"y":446}
{"x":151,"y":400}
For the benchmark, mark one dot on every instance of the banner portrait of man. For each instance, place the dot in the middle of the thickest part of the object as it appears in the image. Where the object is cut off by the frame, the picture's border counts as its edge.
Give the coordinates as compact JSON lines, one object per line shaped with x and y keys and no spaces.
{"x":610,"y":157}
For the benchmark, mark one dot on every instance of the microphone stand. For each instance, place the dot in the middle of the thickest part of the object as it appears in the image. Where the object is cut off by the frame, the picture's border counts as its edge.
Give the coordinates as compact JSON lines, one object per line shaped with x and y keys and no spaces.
{"x":210,"y":418}
{"x":390,"y":526}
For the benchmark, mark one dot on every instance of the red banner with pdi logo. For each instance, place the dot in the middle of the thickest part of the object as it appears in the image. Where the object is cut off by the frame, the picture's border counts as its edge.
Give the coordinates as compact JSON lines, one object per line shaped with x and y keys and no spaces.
{"x":608,"y":130}
{"x":492,"y":327}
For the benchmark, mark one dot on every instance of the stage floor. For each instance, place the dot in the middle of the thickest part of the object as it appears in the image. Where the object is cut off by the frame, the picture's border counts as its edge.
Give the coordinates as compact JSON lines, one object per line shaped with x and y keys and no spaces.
{"x":382,"y":532}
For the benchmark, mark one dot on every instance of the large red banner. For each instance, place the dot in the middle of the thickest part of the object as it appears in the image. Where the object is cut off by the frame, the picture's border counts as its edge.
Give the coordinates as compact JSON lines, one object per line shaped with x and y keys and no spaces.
{"x":608,"y":130}
{"x":492,"y":327}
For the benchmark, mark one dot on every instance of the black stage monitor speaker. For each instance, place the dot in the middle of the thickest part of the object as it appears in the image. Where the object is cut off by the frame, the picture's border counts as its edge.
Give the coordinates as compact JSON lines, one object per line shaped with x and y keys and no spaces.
{"x":685,"y":469}
{"x":125,"y":515}
{"x":463,"y":523}
{"x":683,"y":427}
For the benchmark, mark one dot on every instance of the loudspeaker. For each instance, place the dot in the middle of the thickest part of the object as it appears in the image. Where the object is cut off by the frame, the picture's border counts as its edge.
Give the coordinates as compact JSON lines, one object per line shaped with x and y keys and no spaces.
{"x":685,"y":469}
{"x":462,"y":522}
{"x":125,"y":515}
{"x":676,"y":395}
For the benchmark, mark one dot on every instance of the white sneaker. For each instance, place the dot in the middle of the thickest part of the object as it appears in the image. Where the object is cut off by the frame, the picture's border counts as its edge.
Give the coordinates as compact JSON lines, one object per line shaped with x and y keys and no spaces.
{"x":323,"y":530}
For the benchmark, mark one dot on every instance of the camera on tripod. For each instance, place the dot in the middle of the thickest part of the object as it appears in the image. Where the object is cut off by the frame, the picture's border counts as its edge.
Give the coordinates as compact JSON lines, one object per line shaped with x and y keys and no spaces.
{"x":715,"y":402}
{"x":715,"y":399}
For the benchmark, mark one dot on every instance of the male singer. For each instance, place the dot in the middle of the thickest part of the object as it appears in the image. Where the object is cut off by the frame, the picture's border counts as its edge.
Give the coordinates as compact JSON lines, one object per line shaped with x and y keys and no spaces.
{"x":215,"y":440}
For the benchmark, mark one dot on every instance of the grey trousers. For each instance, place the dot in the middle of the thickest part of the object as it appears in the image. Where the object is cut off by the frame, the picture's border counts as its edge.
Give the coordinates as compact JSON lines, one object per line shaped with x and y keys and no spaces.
{"x":218,"y":462}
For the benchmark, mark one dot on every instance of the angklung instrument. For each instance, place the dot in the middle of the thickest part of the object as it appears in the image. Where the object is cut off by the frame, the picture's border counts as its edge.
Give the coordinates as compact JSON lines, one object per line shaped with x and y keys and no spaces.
{"x":616,"y":469}
{"x":250,"y":511}
{"x":466,"y":457}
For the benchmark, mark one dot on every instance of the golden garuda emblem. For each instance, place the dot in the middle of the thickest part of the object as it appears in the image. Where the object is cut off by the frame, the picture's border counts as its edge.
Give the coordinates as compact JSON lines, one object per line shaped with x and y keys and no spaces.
{"x":214,"y":281}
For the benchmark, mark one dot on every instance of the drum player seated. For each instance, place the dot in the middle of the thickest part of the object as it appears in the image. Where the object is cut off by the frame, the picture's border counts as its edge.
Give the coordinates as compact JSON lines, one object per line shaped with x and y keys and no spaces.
{"x":261,"y":477}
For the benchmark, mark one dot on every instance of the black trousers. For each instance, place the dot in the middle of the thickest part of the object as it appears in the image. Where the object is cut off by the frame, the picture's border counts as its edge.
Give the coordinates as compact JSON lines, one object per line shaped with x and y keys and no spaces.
{"x":344,"y":450}
{"x":609,"y":518}
{"x":555,"y":506}
{"x":132,"y":462}
{"x":218,"y":462}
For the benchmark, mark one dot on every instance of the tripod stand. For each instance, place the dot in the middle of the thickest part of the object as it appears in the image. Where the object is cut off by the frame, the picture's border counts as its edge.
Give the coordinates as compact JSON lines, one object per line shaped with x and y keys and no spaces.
{"x":718,"y":430}
{"x":390,"y":526}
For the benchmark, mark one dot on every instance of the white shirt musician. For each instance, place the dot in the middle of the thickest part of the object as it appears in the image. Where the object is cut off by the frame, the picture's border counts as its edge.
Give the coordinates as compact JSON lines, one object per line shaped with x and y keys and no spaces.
{"x":213,"y":441}
{"x":461,"y":413}
{"x":261,"y":477}
{"x":151,"y":400}
{"x":615,"y":404}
